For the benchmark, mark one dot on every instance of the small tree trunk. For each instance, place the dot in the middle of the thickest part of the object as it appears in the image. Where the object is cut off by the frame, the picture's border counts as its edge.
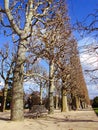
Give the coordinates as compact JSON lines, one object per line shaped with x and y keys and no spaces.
{"x":56,"y":101}
{"x":64,"y":106}
{"x":59,"y":99}
{"x":4,"y":96}
{"x":73,"y":103}
{"x":84,"y":105}
{"x":77,"y":102}
{"x":17,"y":89}
{"x":51,"y":87}
{"x":41,"y":91}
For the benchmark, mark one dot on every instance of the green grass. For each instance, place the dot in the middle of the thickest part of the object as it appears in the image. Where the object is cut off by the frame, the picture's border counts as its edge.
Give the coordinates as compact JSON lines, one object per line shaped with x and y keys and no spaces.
{"x":96,"y":111}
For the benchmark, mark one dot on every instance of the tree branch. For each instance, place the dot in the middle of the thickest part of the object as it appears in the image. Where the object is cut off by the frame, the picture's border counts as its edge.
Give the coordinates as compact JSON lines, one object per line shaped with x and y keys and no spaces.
{"x":36,"y":74}
{"x":11,"y":19}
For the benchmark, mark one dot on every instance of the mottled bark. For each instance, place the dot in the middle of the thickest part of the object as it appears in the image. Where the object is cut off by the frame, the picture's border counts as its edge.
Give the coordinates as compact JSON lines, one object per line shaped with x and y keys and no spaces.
{"x":51,"y":87}
{"x":17,"y":90}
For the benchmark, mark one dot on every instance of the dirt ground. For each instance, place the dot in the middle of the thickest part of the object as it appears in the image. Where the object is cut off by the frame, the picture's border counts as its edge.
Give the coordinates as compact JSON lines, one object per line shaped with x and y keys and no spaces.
{"x":73,"y":120}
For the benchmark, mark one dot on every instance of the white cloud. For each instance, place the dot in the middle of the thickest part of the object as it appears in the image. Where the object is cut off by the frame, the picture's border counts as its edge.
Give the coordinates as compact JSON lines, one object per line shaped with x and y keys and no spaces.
{"x":93,"y":91}
{"x":89,"y":60}
{"x":30,"y":86}
{"x":2,"y":84}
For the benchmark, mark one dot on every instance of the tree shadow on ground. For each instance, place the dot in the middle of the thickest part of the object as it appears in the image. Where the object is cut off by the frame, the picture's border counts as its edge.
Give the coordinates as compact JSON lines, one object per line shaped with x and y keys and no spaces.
{"x":66,"y":118}
{"x":69,"y":120}
{"x":59,"y":120}
{"x":5,"y":119}
{"x":5,"y":116}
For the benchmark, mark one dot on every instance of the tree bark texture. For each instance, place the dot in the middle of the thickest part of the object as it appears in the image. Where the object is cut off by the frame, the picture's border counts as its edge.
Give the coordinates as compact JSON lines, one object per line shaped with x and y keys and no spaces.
{"x":17,"y":89}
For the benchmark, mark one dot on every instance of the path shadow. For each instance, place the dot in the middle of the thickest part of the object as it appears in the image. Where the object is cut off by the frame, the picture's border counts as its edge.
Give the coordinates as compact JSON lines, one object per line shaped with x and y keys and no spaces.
{"x":5,"y":119}
{"x":5,"y":116}
{"x":69,"y":120}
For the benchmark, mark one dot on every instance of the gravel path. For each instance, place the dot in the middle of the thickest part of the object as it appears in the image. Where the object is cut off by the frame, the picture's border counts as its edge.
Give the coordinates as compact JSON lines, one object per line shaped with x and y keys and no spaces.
{"x":73,"y":120}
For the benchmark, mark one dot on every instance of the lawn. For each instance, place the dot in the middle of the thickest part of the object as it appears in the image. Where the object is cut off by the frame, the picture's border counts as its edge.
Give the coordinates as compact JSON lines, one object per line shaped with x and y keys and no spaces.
{"x":96,"y":111}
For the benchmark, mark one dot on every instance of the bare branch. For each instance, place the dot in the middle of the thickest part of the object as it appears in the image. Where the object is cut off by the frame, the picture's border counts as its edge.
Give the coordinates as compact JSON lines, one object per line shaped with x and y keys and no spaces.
{"x":11,"y":19}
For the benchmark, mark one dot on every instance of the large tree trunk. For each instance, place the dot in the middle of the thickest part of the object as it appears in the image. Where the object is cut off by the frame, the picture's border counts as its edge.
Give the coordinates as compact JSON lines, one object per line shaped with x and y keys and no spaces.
{"x":17,"y":90}
{"x":64,"y":106}
{"x":51,"y":87}
{"x":17,"y":112}
{"x":4,"y":96}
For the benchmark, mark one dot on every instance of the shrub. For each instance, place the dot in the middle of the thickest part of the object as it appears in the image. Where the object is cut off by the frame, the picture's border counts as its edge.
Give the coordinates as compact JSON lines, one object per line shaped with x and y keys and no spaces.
{"x":95,"y":102}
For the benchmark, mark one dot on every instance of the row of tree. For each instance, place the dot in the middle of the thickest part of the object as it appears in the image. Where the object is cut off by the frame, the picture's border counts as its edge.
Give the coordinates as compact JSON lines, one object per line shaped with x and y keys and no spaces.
{"x":44,"y":32}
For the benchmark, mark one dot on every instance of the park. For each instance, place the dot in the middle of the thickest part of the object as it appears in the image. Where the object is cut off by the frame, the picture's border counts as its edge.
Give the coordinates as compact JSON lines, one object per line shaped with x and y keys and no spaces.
{"x":48,"y":65}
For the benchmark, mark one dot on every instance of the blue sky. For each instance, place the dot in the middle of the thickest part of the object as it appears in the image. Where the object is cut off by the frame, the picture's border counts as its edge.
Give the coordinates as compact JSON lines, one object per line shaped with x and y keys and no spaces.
{"x":79,"y":9}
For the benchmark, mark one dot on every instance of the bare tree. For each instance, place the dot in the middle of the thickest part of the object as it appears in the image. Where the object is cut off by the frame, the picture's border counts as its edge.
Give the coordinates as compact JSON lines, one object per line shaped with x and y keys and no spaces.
{"x":7,"y":63}
{"x":40,"y":77}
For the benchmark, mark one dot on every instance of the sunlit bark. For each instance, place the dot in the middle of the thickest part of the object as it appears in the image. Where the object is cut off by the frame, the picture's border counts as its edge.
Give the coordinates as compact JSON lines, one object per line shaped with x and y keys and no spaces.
{"x":64,"y":102}
{"x":17,"y":90}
